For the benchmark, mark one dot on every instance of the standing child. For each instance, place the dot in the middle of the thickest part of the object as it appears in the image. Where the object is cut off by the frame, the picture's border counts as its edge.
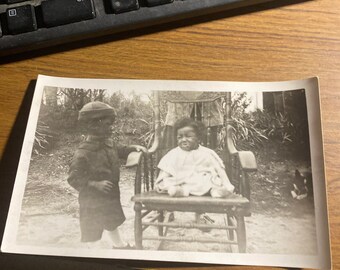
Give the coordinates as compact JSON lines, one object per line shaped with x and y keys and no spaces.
{"x":94,"y":173}
{"x":190,"y":168}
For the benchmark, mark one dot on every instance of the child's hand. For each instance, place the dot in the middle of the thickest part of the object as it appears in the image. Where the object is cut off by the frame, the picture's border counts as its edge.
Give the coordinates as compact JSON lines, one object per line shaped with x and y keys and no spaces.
{"x":104,"y":186}
{"x":140,"y":148}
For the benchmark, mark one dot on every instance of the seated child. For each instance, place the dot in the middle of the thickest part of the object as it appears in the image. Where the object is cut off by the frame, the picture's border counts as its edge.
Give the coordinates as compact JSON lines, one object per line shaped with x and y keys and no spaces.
{"x":190,"y":168}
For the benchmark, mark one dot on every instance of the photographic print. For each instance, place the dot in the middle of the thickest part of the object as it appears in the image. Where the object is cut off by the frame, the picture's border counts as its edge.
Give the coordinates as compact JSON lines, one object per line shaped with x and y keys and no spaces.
{"x":188,"y":171}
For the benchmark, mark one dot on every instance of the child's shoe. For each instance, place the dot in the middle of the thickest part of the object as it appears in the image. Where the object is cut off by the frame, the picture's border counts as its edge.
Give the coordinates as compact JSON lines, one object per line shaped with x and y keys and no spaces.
{"x":220,"y":192}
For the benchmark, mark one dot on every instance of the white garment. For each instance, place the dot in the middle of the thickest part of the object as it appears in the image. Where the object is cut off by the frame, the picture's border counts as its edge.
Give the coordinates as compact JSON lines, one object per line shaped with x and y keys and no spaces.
{"x":196,"y":171}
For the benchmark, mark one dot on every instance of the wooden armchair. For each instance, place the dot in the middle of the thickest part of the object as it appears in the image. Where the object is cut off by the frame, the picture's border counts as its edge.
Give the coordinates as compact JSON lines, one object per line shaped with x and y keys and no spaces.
{"x":147,"y":201}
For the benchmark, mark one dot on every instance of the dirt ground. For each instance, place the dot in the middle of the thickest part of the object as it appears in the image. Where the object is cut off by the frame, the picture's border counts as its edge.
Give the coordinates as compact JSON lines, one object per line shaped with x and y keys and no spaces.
{"x":278,"y":224}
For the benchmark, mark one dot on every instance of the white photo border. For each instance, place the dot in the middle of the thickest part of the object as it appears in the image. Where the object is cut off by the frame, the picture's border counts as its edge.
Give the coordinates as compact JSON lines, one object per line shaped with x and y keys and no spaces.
{"x":311,"y":86}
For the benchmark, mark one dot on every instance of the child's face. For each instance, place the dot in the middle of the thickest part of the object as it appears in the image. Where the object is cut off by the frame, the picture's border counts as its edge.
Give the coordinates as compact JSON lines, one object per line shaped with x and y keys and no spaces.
{"x":187,"y":138}
{"x":103,"y":127}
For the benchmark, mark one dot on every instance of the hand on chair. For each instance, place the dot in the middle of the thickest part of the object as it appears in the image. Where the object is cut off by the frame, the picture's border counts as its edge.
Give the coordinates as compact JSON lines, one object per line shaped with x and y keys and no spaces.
{"x":140,"y":148}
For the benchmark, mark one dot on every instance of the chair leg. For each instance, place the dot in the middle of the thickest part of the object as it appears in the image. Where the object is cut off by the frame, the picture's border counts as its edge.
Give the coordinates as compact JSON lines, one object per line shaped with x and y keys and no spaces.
{"x":230,"y":231}
{"x":138,"y":226}
{"x":241,"y":234}
{"x":160,"y":219}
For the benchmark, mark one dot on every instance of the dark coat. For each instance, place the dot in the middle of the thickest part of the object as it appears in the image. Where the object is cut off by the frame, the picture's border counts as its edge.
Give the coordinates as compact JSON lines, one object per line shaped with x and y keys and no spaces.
{"x":97,"y":160}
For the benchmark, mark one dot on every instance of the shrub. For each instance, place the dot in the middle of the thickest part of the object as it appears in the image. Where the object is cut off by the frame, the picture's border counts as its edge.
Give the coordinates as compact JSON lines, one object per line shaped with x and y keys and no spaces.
{"x":287,"y":131}
{"x":42,"y":139}
{"x":246,"y":133}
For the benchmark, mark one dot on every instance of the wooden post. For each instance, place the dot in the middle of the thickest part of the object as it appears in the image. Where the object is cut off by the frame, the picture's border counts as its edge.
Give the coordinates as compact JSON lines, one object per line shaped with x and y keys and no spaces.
{"x":157,"y":116}
{"x":208,"y":128}
{"x":195,"y":111}
{"x":228,"y":121}
{"x":157,"y":125}
{"x":138,"y":182}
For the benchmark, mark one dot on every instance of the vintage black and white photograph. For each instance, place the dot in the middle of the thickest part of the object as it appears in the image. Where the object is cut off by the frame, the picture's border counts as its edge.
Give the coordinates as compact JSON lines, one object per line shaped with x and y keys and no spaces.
{"x":178,"y":171}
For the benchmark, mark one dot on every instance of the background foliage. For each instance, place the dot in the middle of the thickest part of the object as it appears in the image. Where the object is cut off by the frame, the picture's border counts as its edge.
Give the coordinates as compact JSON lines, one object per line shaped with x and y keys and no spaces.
{"x":285,"y":131}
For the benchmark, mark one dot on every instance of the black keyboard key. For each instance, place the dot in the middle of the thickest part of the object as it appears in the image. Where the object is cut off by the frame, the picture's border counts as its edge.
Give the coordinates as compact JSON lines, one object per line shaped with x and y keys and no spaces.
{"x":151,"y":3}
{"x":119,"y":6}
{"x":59,"y":12}
{"x":14,"y":1}
{"x":21,"y":19}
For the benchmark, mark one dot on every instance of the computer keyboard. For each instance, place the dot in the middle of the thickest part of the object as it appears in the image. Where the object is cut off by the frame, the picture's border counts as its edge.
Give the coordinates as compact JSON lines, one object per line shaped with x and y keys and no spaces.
{"x":34,"y":24}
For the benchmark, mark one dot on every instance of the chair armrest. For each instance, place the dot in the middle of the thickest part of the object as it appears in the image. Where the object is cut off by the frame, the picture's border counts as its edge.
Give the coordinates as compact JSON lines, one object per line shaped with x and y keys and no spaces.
{"x":246,"y":158}
{"x":247,"y":161}
{"x":246,"y":164}
{"x":133,"y":159}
